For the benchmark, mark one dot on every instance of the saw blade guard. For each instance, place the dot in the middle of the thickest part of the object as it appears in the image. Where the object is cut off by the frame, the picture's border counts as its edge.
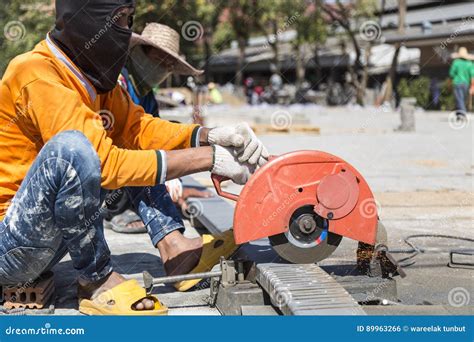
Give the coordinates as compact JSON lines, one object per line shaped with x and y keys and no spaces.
{"x":333,"y":187}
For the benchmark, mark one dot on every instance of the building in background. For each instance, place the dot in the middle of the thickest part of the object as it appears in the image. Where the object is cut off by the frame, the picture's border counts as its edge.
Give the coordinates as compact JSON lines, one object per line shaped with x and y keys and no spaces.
{"x":433,"y":30}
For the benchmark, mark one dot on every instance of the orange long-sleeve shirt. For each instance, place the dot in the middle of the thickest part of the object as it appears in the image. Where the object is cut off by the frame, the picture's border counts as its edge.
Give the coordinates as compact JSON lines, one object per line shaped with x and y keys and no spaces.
{"x":43,"y":93}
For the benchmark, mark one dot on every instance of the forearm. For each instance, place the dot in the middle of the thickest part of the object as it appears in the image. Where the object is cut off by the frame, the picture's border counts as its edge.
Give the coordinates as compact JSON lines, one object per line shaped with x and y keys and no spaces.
{"x":188,"y":161}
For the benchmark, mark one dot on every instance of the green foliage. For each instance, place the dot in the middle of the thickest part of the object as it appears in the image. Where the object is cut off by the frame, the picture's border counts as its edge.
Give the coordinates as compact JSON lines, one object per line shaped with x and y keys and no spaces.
{"x":23,"y":24}
{"x":223,"y":35}
{"x":310,"y":25}
{"x":419,"y":88}
{"x":447,"y":101}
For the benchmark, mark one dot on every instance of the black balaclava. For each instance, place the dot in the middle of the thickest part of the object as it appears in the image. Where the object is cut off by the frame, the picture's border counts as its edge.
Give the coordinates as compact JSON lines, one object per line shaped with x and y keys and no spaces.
{"x":88,"y":33}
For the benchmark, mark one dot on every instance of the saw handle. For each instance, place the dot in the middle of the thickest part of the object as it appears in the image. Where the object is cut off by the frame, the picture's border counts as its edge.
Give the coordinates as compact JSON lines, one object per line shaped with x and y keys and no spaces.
{"x":217,"y":180}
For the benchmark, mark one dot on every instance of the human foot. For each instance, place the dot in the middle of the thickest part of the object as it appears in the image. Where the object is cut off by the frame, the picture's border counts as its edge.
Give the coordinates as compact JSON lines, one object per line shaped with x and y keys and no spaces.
{"x":179,"y":254}
{"x":193,"y":192}
{"x":127,"y":222}
{"x":136,"y":224}
{"x":91,"y":290}
{"x":182,"y":201}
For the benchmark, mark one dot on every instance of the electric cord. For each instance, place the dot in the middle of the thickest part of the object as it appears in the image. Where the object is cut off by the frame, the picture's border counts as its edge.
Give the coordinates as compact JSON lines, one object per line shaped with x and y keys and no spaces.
{"x":416,"y":250}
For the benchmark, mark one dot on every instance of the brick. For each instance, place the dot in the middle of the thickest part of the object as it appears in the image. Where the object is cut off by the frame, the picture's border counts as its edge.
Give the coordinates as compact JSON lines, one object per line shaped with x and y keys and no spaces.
{"x":33,"y":296}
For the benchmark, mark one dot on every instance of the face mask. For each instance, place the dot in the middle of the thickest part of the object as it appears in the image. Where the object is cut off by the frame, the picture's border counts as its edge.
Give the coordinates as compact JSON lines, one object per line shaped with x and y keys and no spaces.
{"x":146,"y":73}
{"x":88,"y":34}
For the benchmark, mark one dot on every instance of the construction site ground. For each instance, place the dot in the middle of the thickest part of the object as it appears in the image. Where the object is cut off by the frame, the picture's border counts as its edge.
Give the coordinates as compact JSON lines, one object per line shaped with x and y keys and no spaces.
{"x":422,"y":181}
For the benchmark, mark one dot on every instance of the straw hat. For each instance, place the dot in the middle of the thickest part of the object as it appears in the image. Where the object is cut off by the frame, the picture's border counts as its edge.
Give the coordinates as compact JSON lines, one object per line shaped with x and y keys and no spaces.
{"x":165,"y":39}
{"x":463,"y":53}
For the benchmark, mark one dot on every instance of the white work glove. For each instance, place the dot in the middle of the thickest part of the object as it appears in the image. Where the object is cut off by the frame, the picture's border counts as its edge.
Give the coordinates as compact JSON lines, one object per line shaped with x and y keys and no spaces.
{"x":227,"y":165}
{"x":175,"y":188}
{"x":249,"y":148}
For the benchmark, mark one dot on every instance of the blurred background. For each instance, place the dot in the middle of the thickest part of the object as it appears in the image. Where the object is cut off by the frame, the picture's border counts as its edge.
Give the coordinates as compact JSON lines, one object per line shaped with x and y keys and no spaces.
{"x":365,"y":52}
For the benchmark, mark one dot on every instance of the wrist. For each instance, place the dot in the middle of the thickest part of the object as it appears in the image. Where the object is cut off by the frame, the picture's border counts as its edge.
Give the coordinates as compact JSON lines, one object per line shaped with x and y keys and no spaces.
{"x":204,"y":136}
{"x":213,"y":157}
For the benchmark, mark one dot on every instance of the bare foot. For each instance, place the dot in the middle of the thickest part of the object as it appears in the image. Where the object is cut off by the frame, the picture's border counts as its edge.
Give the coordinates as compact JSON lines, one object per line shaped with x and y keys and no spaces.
{"x":193,"y":192}
{"x":92,"y":290}
{"x":179,"y":254}
{"x":136,"y":224}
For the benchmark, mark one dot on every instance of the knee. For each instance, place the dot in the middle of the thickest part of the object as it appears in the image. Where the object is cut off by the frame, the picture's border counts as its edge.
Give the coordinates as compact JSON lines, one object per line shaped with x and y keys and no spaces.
{"x":74,"y":147}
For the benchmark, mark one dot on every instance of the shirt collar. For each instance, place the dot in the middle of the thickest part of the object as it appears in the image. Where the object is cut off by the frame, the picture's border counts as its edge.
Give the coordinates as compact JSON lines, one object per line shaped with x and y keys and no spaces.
{"x":65,"y":60}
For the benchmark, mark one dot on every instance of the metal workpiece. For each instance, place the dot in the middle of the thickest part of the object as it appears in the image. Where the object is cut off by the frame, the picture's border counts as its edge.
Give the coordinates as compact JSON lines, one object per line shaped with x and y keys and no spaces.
{"x":225,"y":271}
{"x":305,"y":289}
{"x":149,"y":281}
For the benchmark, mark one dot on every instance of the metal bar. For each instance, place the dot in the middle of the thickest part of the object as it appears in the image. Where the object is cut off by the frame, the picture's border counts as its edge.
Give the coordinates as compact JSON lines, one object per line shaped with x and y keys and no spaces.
{"x":174,"y":279}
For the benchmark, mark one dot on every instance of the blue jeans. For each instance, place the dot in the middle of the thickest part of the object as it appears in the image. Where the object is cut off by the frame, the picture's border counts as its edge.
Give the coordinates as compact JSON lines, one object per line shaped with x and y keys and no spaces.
{"x":460,"y":94}
{"x":58,"y":210}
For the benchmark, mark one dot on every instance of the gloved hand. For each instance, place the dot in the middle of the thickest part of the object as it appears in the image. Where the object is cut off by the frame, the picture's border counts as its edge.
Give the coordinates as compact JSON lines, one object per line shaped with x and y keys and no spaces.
{"x":175,"y":189}
{"x":227,"y":165}
{"x":249,"y":148}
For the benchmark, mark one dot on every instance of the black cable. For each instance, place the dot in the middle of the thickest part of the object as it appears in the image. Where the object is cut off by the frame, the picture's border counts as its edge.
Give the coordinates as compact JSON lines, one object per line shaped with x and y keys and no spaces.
{"x":415,"y":250}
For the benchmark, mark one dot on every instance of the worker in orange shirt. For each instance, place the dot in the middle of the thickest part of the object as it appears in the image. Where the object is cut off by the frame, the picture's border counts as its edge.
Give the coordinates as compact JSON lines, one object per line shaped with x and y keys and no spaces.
{"x":70,"y":133}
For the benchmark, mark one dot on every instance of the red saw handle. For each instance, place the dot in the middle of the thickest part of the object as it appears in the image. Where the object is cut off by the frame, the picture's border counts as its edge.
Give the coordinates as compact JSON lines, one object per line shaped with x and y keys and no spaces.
{"x":217,"y":180}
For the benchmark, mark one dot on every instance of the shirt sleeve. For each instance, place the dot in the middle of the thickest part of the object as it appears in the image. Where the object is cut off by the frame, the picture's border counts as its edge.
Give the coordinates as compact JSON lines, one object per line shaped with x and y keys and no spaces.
{"x":142,"y":131}
{"x":53,"y":108}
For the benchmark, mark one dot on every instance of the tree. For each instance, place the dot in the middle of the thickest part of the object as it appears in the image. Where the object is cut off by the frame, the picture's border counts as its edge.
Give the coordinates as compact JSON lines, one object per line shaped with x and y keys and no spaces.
{"x":272,"y":19}
{"x":391,"y":77}
{"x":311,"y":30}
{"x":344,"y":15}
{"x":241,"y":17}
{"x":24,"y":24}
{"x":208,"y":14}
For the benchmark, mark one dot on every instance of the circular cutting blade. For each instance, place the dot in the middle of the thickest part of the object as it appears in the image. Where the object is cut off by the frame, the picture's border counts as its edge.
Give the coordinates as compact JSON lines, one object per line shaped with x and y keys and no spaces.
{"x":307,"y":240}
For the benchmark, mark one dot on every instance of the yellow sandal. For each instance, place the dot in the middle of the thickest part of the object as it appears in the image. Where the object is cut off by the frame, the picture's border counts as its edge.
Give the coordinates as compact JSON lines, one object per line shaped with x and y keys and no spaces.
{"x":119,"y":301}
{"x":213,"y":247}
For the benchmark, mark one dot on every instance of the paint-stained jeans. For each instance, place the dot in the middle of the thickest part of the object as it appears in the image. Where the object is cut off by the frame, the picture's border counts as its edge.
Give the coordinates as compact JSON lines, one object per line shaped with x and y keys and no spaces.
{"x":156,"y":209}
{"x":55,"y":211}
{"x":58,"y":210}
